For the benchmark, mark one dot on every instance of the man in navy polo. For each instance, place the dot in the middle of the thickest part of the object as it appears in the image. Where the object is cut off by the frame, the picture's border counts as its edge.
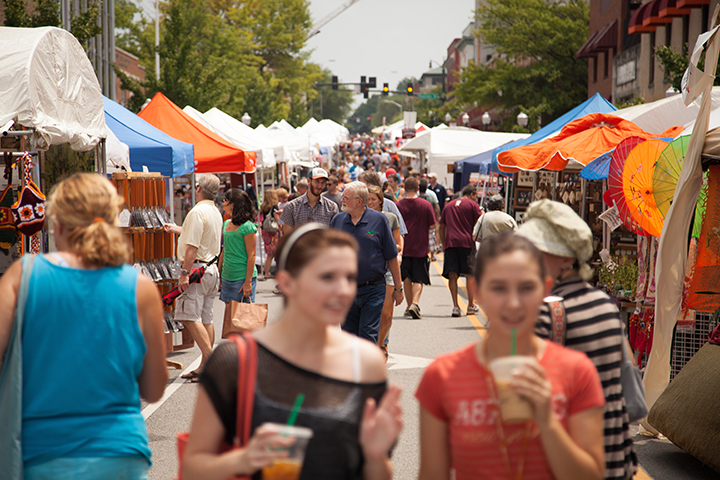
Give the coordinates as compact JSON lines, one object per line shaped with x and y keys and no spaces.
{"x":378,"y":252}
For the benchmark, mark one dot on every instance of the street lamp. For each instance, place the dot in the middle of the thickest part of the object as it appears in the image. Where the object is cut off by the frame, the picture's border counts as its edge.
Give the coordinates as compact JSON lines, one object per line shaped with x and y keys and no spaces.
{"x":465,"y":118}
{"x":522,"y":119}
{"x":448,"y":117}
{"x":486,"y":119}
{"x":246,"y":119}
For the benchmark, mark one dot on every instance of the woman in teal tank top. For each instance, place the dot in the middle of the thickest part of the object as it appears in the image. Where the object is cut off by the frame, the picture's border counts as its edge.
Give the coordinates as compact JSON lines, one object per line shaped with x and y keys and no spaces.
{"x":92,"y":342}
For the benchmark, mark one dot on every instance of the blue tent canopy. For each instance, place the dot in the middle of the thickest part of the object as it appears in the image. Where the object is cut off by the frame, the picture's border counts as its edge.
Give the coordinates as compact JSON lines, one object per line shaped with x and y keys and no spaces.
{"x":463,"y":168}
{"x":594,"y":104}
{"x":149,"y":147}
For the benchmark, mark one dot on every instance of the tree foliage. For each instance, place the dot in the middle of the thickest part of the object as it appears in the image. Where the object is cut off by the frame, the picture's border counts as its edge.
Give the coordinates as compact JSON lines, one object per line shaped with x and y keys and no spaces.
{"x":536,"y":70}
{"x":335,"y":103}
{"x":239,"y":56}
{"x":675,"y":65}
{"x":45,"y":13}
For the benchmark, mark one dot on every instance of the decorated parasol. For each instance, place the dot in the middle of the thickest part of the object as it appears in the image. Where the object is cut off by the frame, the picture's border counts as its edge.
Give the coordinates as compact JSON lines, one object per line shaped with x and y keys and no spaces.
{"x":638,"y":185}
{"x":665,"y":178}
{"x":615,"y":194}
{"x":598,"y":168}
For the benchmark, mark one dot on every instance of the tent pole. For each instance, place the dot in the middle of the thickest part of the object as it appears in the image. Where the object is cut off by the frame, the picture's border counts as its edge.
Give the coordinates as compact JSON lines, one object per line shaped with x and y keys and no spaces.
{"x":171,"y":194}
{"x":583,"y":192}
{"x":192,"y":187}
{"x":244,"y":181}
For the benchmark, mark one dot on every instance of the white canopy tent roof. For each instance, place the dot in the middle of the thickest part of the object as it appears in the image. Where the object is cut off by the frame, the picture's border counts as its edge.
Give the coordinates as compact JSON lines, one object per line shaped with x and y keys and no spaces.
{"x":325,"y":133}
{"x":445,"y":146}
{"x":48,"y":84}
{"x":265,"y":154}
{"x":117,"y":154}
{"x":658,"y":116}
{"x":297,"y":143}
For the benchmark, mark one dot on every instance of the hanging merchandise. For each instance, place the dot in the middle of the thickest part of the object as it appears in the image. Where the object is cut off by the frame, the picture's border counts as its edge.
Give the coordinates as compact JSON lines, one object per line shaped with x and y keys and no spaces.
{"x":29,"y":210}
{"x":8,"y":230}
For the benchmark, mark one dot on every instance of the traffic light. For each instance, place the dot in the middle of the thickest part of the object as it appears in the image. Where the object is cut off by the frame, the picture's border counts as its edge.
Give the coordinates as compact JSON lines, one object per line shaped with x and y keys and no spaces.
{"x":410,"y":90}
{"x":372,"y":82}
{"x":364,"y":87}
{"x":386,"y":89}
{"x":334,"y":82}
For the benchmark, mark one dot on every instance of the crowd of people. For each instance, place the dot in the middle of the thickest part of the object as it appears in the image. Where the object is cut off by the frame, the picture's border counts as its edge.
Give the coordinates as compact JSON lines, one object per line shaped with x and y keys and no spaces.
{"x":345,"y":248}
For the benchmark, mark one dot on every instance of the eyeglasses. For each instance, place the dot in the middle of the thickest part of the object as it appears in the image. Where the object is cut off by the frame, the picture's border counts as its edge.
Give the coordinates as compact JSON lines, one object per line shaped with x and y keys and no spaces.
{"x":347,"y":199}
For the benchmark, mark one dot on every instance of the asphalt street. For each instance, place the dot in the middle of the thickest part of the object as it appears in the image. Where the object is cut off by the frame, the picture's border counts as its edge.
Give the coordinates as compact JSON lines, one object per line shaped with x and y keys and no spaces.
{"x":413,"y":345}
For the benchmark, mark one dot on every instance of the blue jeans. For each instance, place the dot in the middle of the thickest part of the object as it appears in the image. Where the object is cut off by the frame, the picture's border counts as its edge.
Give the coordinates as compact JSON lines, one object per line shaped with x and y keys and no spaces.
{"x":231,"y":291}
{"x":363,"y":319}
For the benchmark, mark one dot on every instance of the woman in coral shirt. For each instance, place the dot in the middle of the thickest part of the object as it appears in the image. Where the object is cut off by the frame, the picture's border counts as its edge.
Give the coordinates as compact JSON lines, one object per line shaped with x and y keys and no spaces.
{"x":460,"y":424}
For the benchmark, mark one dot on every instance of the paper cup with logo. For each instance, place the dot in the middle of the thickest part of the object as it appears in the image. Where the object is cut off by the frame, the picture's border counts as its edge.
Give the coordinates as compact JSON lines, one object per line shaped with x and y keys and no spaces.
{"x":513,"y":407}
{"x":290,"y":466}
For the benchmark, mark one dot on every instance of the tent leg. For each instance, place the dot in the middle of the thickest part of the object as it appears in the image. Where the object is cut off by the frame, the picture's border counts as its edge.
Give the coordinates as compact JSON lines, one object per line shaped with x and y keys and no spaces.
{"x":193,"y":189}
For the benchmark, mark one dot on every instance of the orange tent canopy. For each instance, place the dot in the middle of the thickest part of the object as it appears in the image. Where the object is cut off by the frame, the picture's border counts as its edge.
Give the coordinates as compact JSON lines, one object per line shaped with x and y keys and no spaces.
{"x":581,"y":140}
{"x":213,"y":154}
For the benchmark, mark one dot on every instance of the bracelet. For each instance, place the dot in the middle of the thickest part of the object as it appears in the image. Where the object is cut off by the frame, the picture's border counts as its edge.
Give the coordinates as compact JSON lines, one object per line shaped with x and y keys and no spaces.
{"x":398,"y":289}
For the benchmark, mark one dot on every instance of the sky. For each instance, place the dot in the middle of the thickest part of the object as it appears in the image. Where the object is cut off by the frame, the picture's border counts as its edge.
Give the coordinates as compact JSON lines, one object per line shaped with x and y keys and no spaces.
{"x":386,"y":39}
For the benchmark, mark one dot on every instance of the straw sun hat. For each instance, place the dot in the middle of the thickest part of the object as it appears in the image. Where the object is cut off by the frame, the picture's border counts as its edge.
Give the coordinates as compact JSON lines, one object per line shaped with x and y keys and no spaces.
{"x":556,"y":229}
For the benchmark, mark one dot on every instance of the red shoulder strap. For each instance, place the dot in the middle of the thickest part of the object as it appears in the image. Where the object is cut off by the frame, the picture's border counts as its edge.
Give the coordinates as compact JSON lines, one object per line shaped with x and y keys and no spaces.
{"x":247,"y":373}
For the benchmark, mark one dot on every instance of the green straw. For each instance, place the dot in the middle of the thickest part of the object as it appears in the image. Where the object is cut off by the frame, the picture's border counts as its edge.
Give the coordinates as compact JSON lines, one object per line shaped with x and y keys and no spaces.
{"x":296,"y":408}
{"x":513,"y":341}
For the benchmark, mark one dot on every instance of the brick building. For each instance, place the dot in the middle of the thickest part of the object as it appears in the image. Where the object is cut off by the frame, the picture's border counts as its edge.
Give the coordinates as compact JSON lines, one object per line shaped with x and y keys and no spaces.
{"x":128,"y":64}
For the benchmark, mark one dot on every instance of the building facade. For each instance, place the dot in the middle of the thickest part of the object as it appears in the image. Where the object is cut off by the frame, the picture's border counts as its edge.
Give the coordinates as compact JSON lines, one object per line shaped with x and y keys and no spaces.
{"x":623,"y":38}
{"x":129,"y":65}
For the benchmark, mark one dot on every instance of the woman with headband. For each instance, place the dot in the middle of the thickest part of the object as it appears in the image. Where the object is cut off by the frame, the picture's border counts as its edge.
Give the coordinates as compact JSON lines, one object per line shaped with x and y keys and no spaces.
{"x":355,"y":417}
{"x":92,"y":342}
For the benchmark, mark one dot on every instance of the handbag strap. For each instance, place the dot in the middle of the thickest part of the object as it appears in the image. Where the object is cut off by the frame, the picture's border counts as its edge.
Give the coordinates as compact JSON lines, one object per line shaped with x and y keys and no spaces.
{"x":247,"y":374}
{"x":559,"y":323}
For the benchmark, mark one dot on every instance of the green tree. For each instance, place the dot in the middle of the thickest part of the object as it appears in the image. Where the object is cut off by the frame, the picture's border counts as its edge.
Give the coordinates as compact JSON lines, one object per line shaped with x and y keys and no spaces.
{"x":46,"y":13}
{"x":536,"y":70}
{"x":336,"y":104}
{"x":676,"y":63}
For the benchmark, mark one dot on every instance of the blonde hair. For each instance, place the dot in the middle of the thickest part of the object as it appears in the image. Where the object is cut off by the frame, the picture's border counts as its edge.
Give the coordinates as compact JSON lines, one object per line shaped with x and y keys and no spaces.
{"x":270,"y":199}
{"x":87,"y":206}
{"x":282,"y":194}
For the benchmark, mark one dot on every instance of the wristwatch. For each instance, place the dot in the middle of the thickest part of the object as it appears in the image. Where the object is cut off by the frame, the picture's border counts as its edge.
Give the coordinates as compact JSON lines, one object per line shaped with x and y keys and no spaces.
{"x":184,"y":272}
{"x":398,"y":289}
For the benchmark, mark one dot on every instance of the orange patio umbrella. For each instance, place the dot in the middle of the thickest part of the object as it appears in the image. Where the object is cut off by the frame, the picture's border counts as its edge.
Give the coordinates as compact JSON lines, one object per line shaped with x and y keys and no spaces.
{"x":581,"y":140}
{"x":213,"y":154}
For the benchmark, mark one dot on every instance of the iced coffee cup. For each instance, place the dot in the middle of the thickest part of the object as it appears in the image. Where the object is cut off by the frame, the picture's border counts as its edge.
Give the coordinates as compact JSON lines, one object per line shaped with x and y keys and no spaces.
{"x":513,"y":407}
{"x":288,"y":467}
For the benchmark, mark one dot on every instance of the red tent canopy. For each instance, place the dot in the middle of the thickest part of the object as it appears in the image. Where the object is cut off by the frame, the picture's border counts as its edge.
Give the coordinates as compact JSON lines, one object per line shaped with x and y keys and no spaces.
{"x":213,"y":154}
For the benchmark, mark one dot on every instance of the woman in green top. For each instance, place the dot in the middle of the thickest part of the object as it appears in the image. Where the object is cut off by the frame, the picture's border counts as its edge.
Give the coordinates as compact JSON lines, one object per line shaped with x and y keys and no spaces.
{"x":237,"y":260}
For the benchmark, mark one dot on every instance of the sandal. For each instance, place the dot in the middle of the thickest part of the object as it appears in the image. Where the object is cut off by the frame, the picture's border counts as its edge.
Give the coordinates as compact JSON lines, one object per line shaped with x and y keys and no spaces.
{"x":191,"y":375}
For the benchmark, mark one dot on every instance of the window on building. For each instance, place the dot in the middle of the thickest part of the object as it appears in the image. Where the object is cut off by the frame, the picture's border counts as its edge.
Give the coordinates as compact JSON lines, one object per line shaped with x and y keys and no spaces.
{"x":606,"y":67}
{"x":686,"y":34}
{"x":651,"y":74}
{"x":668,"y":43}
{"x":594,"y":69}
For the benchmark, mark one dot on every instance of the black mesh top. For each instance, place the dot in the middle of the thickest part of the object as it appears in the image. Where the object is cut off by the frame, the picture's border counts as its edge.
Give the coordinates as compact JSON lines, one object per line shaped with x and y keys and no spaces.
{"x":332,"y":408}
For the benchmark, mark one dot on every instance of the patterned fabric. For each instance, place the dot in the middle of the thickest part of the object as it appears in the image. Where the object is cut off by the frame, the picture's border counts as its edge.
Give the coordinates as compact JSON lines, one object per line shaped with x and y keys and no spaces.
{"x":594,"y":327}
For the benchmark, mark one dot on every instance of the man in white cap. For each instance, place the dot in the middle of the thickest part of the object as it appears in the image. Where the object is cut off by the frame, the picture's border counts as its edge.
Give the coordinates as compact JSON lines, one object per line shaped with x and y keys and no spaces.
{"x":439,"y":190}
{"x":310,"y":207}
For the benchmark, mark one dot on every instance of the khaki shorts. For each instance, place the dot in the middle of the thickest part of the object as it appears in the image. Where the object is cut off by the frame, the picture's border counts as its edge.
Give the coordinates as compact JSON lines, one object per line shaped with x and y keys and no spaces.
{"x":196,"y":304}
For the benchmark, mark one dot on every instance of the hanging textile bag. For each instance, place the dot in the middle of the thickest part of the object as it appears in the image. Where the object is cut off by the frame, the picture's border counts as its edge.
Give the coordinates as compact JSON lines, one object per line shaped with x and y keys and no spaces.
{"x":8,"y":229}
{"x":29,"y":210}
{"x":246,"y":317}
{"x":11,"y":385}
{"x":247,"y":373}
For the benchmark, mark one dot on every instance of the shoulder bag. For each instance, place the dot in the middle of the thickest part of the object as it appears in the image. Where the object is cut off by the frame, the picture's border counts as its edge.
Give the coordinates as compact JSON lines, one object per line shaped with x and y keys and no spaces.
{"x":11,"y":385}
{"x":247,"y":374}
{"x":269,"y":224}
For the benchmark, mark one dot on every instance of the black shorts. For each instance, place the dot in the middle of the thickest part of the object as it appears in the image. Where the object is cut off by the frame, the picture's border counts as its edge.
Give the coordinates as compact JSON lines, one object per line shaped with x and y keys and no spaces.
{"x":458,"y":260}
{"x":417,"y":269}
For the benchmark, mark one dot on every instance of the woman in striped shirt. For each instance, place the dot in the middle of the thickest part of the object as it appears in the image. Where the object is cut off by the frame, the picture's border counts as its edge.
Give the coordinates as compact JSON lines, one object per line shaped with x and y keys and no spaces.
{"x":591,"y":319}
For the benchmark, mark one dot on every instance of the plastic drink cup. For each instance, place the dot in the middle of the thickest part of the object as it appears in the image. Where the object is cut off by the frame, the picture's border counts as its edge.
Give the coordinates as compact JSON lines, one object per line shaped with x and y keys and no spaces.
{"x":513,"y":407}
{"x":289,"y":467}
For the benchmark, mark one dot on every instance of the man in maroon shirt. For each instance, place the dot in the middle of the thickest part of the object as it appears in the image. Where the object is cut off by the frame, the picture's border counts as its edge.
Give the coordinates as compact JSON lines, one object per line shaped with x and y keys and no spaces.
{"x":419,"y":219}
{"x":455,"y":232}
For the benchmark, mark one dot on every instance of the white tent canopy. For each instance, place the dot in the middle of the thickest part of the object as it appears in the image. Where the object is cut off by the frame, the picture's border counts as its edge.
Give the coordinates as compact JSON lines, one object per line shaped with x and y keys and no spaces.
{"x":117,"y":154}
{"x":445,"y":146}
{"x":265,"y":153}
{"x":48,"y":84}
{"x":658,"y":116}
{"x":297,"y":143}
